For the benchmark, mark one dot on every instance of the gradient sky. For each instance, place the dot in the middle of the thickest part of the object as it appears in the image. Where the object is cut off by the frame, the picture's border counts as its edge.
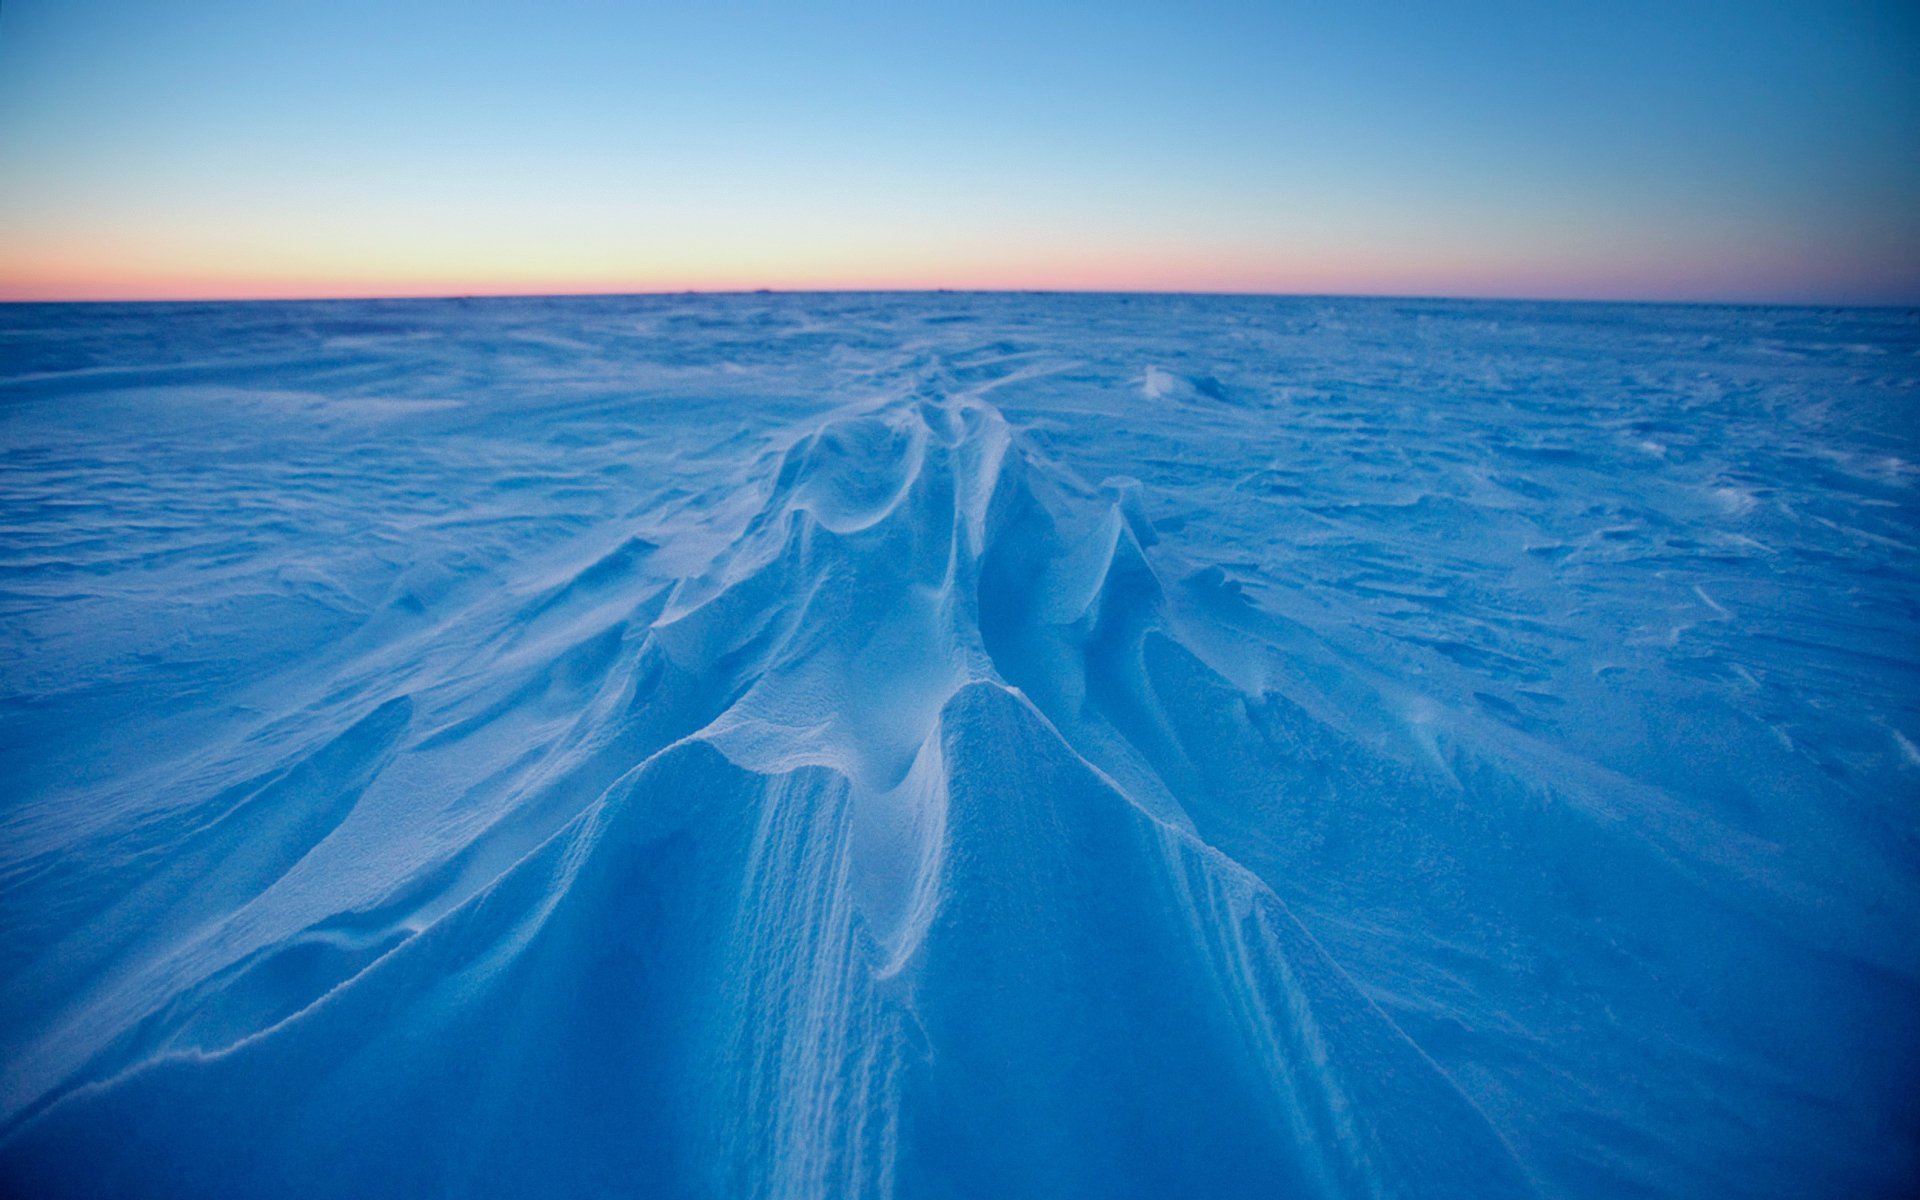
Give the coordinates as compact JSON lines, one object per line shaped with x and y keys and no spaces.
{"x":195,"y":148}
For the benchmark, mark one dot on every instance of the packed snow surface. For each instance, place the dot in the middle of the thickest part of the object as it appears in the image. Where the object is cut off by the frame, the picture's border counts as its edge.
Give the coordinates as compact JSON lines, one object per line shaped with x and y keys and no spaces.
{"x":960,"y":746}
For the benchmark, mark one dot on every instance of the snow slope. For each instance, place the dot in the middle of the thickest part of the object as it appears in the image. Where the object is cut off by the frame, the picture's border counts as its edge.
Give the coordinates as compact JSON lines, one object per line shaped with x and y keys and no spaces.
{"x":958,"y":746}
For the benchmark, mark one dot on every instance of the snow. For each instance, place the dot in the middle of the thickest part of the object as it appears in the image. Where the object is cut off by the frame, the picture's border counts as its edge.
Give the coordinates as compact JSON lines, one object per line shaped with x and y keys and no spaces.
{"x":958,"y":745}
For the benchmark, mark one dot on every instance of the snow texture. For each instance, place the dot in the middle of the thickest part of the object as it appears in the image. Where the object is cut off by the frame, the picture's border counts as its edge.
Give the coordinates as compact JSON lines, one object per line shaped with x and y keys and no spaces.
{"x":958,"y":746}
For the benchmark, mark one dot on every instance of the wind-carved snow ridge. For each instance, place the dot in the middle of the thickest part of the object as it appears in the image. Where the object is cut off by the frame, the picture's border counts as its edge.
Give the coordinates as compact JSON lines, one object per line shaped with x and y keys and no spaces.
{"x":932,"y":574}
{"x":869,"y":798}
{"x":859,"y":920}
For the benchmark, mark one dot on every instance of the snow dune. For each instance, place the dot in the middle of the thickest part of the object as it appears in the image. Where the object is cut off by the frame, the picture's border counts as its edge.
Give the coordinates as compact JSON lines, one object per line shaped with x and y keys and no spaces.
{"x":958,"y":745}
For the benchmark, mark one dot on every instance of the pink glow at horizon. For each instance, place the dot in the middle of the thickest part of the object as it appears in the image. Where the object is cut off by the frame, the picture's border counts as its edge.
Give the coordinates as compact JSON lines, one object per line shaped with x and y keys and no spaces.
{"x":1434,"y":275}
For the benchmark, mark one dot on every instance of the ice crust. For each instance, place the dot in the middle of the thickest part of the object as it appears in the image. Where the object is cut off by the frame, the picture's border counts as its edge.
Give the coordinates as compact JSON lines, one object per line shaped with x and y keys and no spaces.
{"x":958,"y":746}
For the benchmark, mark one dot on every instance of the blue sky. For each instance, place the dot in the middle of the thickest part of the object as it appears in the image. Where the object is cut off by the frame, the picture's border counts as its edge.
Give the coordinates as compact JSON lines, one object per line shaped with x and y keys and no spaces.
{"x":1750,"y":151}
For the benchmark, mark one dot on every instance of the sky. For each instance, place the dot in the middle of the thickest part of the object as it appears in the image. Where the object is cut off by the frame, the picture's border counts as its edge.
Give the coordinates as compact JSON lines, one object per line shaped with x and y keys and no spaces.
{"x":1752,"y":151}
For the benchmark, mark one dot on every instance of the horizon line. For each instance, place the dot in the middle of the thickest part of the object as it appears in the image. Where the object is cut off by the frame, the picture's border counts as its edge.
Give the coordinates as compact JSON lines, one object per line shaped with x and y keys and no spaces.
{"x":433,"y":296}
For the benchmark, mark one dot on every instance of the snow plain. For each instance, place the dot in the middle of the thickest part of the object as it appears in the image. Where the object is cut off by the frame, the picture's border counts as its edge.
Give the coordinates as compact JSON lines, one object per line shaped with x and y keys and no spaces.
{"x":958,"y":745}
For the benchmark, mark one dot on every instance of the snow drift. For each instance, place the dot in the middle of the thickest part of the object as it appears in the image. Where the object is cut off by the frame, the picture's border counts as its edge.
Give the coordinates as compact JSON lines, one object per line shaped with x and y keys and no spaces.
{"x":933,"y":746}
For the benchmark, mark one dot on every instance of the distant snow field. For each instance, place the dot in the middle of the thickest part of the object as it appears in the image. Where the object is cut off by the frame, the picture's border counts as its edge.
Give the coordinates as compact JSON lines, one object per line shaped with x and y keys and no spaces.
{"x":959,"y":746}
